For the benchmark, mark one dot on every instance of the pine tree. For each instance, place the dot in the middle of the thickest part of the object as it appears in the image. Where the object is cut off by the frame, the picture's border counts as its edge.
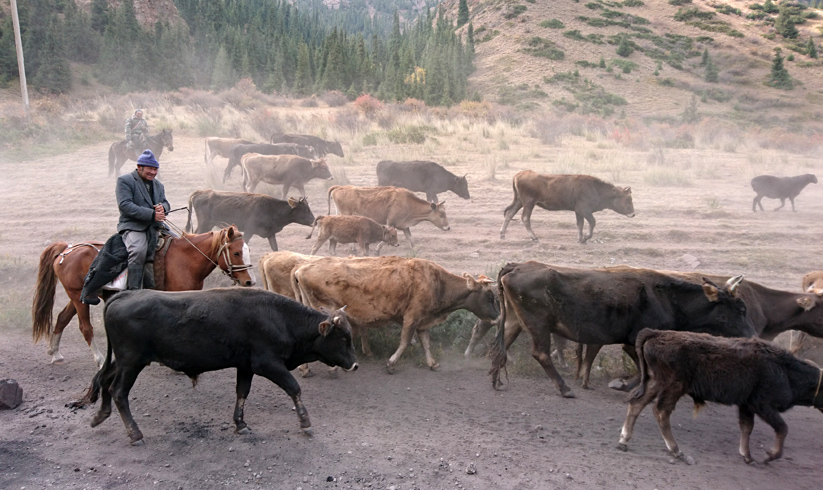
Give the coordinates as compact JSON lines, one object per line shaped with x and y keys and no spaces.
{"x":690,"y":114}
{"x":302,"y":77}
{"x":769,"y":7}
{"x":705,"y":57}
{"x":470,"y":38}
{"x":54,"y":73}
{"x":462,"y":13}
{"x":784,"y":24}
{"x":223,"y":75}
{"x":811,"y":49}
{"x":779,"y":76}
{"x":624,"y":49}
{"x":711,"y":71}
{"x":100,"y":15}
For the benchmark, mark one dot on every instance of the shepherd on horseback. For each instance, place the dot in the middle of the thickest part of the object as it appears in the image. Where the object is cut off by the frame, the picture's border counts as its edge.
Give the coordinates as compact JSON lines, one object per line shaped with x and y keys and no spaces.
{"x":137,"y":129}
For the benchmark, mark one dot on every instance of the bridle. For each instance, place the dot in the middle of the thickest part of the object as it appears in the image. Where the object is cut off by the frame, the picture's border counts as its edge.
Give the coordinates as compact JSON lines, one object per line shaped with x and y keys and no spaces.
{"x":223,"y":253}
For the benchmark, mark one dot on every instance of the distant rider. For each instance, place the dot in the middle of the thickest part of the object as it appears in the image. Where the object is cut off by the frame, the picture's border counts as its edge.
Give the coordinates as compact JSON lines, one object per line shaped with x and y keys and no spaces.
{"x":143,"y":207}
{"x":136,"y":130}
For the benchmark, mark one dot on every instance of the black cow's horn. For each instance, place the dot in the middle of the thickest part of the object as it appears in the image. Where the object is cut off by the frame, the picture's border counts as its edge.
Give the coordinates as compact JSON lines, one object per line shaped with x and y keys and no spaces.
{"x":733,"y":282}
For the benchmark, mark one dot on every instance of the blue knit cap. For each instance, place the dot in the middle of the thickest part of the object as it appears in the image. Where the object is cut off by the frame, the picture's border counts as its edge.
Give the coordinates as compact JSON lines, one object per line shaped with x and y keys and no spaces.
{"x":147,"y":160}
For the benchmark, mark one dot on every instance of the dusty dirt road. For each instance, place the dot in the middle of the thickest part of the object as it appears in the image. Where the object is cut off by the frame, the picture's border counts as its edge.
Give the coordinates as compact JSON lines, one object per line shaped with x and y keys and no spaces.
{"x":416,"y":429}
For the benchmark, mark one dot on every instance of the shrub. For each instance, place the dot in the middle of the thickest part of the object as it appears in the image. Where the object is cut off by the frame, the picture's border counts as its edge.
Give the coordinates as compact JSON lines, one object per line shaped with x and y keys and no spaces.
{"x":310,"y":102}
{"x":552,"y":24}
{"x":544,"y":48}
{"x":334,"y":98}
{"x":265,"y":122}
{"x":368,"y":105}
{"x":350,"y":120}
{"x":408,"y":134}
{"x":514,"y":11}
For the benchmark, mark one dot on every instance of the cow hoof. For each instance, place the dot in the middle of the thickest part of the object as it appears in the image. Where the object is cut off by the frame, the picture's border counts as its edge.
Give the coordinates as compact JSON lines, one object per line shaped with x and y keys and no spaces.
{"x":308,"y":431}
{"x":618,"y":384}
{"x":243,"y":431}
{"x":99,"y":418}
{"x":687,"y":459}
{"x":434,"y":367}
{"x":306,"y":374}
{"x":58,"y":360}
{"x":622,"y":447}
{"x":390,"y":368}
{"x":568,"y":394}
{"x":138,"y":442}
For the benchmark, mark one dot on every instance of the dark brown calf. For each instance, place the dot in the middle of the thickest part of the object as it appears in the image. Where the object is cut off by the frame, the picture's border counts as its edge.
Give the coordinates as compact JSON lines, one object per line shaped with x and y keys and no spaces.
{"x":759,"y":377}
{"x":779,"y":188}
{"x":351,"y":229}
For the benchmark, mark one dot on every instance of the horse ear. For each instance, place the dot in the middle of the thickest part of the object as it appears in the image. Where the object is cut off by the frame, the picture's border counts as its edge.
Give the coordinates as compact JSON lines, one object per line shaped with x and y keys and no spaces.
{"x":230,"y":231}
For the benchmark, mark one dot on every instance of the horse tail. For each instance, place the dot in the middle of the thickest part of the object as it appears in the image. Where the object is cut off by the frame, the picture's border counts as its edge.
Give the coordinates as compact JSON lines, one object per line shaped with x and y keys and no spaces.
{"x":41,"y":307}
{"x":112,"y":159}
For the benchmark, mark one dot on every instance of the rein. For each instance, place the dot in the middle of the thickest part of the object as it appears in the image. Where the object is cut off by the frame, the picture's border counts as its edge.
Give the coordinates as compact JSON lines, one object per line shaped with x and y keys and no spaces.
{"x":223,"y":251}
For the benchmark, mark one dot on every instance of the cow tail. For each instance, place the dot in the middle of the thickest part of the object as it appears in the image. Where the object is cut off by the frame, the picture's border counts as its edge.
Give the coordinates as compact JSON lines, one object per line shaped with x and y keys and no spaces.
{"x":245,"y":175}
{"x":190,"y":209}
{"x":515,"y":200}
{"x":44,"y":290}
{"x":498,"y":349}
{"x":312,"y":226}
{"x":639,"y":346}
{"x":328,"y":198}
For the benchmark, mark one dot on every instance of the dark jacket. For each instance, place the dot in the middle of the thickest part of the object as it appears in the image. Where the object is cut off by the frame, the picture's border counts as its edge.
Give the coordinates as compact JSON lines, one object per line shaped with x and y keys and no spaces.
{"x":109,"y":263}
{"x":135,"y":203}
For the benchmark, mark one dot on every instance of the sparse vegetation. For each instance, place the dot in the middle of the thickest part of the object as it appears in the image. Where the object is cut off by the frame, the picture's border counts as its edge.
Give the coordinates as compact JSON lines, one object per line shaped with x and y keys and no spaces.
{"x":544,"y":48}
{"x":552,"y":24}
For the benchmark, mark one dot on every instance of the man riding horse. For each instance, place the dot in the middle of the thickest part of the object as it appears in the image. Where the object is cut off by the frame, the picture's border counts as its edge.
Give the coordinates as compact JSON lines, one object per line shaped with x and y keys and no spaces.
{"x":136,"y":131}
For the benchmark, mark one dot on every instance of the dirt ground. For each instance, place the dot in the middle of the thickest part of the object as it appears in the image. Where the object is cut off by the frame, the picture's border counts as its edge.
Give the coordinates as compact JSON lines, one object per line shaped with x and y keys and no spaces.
{"x":416,"y":429}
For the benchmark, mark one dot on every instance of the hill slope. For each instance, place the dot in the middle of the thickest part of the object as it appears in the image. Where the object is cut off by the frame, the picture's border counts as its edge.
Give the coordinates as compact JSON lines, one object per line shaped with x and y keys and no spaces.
{"x":527,"y":54}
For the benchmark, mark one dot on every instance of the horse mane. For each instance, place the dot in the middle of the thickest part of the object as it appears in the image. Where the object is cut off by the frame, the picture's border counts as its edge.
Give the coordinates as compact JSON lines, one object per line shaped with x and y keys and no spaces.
{"x":220,"y":237}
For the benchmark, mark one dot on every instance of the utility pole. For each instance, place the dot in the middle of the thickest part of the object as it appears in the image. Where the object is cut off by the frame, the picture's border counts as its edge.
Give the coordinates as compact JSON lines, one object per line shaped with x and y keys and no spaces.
{"x":21,"y":66}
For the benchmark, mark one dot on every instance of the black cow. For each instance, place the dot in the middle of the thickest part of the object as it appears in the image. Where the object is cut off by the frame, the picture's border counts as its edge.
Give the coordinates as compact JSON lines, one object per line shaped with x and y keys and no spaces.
{"x":582,"y":194}
{"x":320,"y":145}
{"x":605,"y":306}
{"x":255,"y":331}
{"x":421,"y":176}
{"x":759,"y":377}
{"x":254,"y":214}
{"x":779,"y":188}
{"x":237,"y":151}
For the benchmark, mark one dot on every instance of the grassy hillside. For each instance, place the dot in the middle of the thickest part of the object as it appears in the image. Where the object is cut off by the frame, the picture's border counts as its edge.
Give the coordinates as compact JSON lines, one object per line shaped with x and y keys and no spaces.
{"x":548,"y":54}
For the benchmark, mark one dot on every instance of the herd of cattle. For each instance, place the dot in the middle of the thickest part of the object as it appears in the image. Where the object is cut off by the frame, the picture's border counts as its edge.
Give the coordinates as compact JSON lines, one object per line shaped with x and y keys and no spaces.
{"x":705,"y":336}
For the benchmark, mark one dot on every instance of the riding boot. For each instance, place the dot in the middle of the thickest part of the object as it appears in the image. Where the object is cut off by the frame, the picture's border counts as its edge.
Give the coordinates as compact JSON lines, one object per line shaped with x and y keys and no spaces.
{"x":148,"y":275}
{"x":135,"y":279}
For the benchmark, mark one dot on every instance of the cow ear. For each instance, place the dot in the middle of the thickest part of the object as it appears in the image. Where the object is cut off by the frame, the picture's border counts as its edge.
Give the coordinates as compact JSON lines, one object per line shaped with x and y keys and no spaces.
{"x":471,"y":283}
{"x":628,"y":189}
{"x":292,"y":202}
{"x":710,"y":290}
{"x":433,"y":206}
{"x":325,"y":328}
{"x":806,"y":303}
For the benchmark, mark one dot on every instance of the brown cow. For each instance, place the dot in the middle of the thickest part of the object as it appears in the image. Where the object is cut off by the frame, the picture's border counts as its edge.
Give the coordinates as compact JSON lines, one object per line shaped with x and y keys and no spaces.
{"x":220,"y":147}
{"x":289,"y":170}
{"x":779,"y":188}
{"x":759,"y":377}
{"x":582,"y":194}
{"x":351,"y":229}
{"x":391,"y":206}
{"x":380,"y":291}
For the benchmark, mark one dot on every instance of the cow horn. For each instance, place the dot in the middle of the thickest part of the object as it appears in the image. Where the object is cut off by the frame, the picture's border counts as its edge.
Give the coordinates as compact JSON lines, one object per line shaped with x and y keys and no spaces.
{"x":343,"y":308}
{"x":734,"y":282}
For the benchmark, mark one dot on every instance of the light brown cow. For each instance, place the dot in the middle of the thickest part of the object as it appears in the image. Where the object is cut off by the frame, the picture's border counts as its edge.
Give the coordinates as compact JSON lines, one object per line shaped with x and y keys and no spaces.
{"x":289,"y":170}
{"x":812,"y":283}
{"x":351,"y":229}
{"x":378,"y":291}
{"x":390,"y":206}
{"x":220,"y":147}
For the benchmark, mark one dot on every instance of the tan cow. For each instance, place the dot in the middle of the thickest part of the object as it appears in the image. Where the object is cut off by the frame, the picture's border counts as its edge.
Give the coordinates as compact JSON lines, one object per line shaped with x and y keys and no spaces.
{"x":289,"y":170}
{"x":391,"y":206}
{"x":277,"y":268}
{"x":378,"y":291}
{"x":351,"y":229}
{"x":220,"y":147}
{"x":812,"y":283}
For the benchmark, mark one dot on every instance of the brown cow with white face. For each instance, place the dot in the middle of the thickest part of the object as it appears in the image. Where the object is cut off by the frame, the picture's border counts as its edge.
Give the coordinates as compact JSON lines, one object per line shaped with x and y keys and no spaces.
{"x":351,"y":229}
{"x":378,"y":291}
{"x":582,"y":194}
{"x":391,"y":206}
{"x":289,"y":170}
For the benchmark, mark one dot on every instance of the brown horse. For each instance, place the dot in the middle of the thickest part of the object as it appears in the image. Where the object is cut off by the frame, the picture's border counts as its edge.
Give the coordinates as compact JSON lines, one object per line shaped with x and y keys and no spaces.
{"x":189,"y":261}
{"x":119,"y":154}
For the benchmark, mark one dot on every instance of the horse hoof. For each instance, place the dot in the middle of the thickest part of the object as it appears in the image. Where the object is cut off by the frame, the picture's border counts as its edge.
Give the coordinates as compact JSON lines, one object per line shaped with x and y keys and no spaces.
{"x":58,"y":360}
{"x":243,"y":431}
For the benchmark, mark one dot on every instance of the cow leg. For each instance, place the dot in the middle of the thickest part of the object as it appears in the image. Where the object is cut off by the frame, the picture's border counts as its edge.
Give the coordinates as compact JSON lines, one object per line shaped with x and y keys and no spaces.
{"x":363,"y":248}
{"x":406,"y":232}
{"x":227,"y":172}
{"x":792,"y":201}
{"x":286,"y":187}
{"x":526,"y":217}
{"x":591,"y":352}
{"x":431,"y":197}
{"x":773,"y":418}
{"x":364,"y":339}
{"x":272,"y":243}
{"x":507,"y":216}
{"x":480,"y":328}
{"x":590,"y":218}
{"x":332,"y":247}
{"x":279,"y":375}
{"x":662,"y":412}
{"x":321,"y":239}
{"x":300,"y":189}
{"x":627,"y":384}
{"x":746,"y":419}
{"x":405,"y":339}
{"x":244,"y":378}
{"x":635,"y":407}
{"x":782,"y":203}
{"x":541,"y":348}
{"x":560,"y":344}
{"x":120,"y":388}
{"x":63,"y":319}
{"x":425,"y":341}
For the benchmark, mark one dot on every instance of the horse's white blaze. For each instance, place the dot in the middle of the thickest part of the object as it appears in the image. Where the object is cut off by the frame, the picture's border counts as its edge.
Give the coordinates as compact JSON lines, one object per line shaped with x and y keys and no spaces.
{"x":247,"y":261}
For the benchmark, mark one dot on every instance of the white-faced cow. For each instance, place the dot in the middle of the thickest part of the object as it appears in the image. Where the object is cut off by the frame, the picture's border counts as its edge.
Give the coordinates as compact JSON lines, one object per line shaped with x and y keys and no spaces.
{"x":254,"y":331}
{"x":320,"y":145}
{"x":391,"y":206}
{"x":254,"y":214}
{"x":607,"y":306}
{"x":236,"y":153}
{"x":421,"y":176}
{"x":221,"y":147}
{"x":759,"y":377}
{"x":289,"y":170}
{"x":351,"y":229}
{"x":582,"y":194}
{"x":415,"y":293}
{"x":779,"y":188}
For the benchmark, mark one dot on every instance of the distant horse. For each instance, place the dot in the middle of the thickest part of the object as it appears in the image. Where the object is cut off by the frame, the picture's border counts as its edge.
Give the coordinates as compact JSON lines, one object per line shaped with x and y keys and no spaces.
{"x":118,"y":154}
{"x":189,"y":260}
